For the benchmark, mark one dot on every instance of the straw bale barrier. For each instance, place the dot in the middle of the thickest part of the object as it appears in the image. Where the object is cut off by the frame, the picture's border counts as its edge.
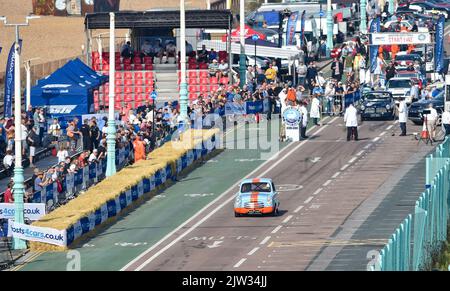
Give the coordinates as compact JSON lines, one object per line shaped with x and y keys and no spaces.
{"x":103,"y":203}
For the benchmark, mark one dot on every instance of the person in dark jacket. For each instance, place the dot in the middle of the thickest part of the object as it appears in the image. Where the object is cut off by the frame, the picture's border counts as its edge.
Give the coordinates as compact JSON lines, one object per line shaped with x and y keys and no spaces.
{"x":337,"y":69}
{"x":86,"y":135}
{"x":390,"y":71}
{"x":311,"y":74}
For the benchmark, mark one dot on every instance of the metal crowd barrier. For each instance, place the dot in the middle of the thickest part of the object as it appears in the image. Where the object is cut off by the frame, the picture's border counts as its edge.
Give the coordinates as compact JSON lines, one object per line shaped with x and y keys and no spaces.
{"x":422,"y":234}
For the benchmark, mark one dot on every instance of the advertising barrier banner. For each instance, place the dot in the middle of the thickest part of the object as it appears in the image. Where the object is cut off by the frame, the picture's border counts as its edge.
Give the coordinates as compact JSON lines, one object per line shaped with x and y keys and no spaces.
{"x":401,"y":38}
{"x":31,"y":211}
{"x":439,"y":47}
{"x":40,"y":234}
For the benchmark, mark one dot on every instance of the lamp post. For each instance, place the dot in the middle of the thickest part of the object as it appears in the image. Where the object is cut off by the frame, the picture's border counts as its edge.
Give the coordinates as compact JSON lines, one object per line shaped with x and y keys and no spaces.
{"x":111,"y":138}
{"x":255,"y":37}
{"x":243,"y":58}
{"x":183,"y":84}
{"x":391,"y":7}
{"x":362,"y":12}
{"x":320,"y":21}
{"x":27,"y":65}
{"x":329,"y":29}
{"x":18,"y":188}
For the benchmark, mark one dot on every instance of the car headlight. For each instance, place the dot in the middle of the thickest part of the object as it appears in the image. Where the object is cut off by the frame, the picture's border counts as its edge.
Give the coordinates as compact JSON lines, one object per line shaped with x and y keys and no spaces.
{"x":363,"y":107}
{"x":269,"y":200}
{"x":388,"y":106}
{"x":238,"y":199}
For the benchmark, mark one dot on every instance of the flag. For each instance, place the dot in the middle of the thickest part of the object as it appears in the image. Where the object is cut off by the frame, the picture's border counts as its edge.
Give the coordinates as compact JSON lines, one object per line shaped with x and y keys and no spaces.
{"x":290,"y":28}
{"x":9,"y":81}
{"x":439,"y":47}
{"x":374,"y":27}
{"x":302,"y":29}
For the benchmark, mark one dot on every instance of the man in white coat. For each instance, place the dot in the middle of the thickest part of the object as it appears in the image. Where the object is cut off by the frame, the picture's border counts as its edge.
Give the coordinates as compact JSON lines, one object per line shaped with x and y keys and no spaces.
{"x":351,"y":121}
{"x":304,"y":124}
{"x":402,"y":115}
{"x":314,"y":111}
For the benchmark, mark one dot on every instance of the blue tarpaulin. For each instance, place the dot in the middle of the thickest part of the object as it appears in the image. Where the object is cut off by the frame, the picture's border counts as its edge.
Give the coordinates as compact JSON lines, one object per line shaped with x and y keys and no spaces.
{"x":69,"y":90}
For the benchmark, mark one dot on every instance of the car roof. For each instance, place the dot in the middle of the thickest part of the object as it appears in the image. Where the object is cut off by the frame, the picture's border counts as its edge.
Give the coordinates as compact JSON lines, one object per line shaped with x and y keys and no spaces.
{"x":257,"y":180}
{"x":378,"y":92}
{"x":400,"y":78}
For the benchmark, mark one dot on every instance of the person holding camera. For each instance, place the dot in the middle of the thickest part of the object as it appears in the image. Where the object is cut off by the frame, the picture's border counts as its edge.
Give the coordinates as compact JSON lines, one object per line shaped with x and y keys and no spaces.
{"x":431,"y":119}
{"x":402,"y":115}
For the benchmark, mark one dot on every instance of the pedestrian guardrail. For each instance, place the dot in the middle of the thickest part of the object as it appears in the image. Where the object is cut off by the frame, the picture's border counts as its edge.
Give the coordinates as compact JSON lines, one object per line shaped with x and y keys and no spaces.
{"x":421,"y":235}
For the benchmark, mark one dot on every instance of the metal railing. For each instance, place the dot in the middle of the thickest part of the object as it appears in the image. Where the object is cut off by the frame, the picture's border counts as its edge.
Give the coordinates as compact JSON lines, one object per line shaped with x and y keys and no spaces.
{"x":420,"y":237}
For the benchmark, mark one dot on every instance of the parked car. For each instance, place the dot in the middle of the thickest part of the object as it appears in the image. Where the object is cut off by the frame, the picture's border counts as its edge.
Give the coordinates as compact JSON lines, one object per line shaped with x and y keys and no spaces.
{"x":400,"y":87}
{"x":377,"y":104}
{"x":256,"y":196}
{"x":416,"y":108}
{"x":417,"y":77}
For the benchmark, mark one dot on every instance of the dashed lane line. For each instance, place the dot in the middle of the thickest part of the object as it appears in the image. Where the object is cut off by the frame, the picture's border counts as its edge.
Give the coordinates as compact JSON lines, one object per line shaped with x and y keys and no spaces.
{"x":345,"y":167}
{"x":327,"y":183}
{"x":308,"y":200}
{"x":376,"y":139}
{"x":252,"y":251}
{"x":287,"y":219}
{"x":335,"y":175}
{"x":265,"y":240}
{"x":352,"y":160}
{"x":298,"y":209}
{"x":317,"y":191}
{"x":240,"y":263}
{"x":277,"y":229}
{"x":360,"y":153}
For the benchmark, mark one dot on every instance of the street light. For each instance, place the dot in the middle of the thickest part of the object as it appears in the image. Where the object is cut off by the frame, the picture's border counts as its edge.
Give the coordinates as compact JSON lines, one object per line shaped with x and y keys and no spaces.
{"x":329,"y":29}
{"x":183,"y":84}
{"x":111,"y":138}
{"x":18,"y":188}
{"x":362,"y":12}
{"x":27,"y":65}
{"x":255,"y":37}
{"x":243,"y":58}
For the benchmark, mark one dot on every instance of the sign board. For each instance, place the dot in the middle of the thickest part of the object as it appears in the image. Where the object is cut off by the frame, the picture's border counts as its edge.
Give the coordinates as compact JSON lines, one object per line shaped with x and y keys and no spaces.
{"x":321,"y":13}
{"x":255,"y":37}
{"x":154,"y":95}
{"x":401,"y":38}
{"x":292,"y":119}
{"x":31,"y":211}
{"x":447,"y":92}
{"x":35,"y":233}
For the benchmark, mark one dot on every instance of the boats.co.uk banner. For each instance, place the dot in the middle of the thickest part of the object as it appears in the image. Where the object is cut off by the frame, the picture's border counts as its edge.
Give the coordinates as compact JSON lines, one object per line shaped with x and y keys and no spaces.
{"x":439,"y":47}
{"x":35,"y":233}
{"x":374,"y":27}
{"x":290,"y":29}
{"x":9,"y":81}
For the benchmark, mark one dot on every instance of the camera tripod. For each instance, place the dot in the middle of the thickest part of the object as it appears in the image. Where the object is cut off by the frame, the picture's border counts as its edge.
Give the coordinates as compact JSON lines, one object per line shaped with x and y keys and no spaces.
{"x":425,"y":134}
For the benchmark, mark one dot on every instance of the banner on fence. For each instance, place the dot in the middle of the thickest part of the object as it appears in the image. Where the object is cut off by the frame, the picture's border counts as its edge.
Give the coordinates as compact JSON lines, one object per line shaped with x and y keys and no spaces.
{"x":35,"y":233}
{"x":254,"y":107}
{"x":31,"y":211}
{"x":401,"y":38}
{"x":234,"y":108}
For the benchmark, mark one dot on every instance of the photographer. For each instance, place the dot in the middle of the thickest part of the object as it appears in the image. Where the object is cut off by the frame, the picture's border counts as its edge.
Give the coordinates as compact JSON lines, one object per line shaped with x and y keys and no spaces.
{"x":431,"y":119}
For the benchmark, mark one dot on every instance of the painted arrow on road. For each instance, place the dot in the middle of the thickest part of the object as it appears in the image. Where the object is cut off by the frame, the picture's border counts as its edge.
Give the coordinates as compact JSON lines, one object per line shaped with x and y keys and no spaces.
{"x":314,"y":160}
{"x":215,"y":244}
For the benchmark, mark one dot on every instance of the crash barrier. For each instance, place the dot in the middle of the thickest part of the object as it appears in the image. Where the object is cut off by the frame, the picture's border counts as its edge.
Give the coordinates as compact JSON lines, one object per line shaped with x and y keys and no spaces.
{"x":422,"y":234}
{"x":247,"y":107}
{"x":115,"y":195}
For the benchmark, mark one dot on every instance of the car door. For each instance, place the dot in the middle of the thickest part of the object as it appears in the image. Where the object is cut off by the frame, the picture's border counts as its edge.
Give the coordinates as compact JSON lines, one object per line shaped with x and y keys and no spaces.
{"x":275,"y":194}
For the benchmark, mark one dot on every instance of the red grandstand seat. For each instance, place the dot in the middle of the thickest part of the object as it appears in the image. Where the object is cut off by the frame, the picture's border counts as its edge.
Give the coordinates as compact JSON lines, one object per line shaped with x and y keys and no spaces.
{"x":148,"y":67}
{"x":193,"y":89}
{"x":203,"y":66}
{"x":139,"y":82}
{"x":127,"y":60}
{"x":213,"y":80}
{"x":192,"y":60}
{"x":118,"y":75}
{"x":128,"y":75}
{"x":193,"y":96}
{"x":117,"y":106}
{"x":192,"y":81}
{"x":138,"y":90}
{"x":128,"y":82}
{"x":148,"y":75}
{"x":224,"y":80}
{"x":148,"y":90}
{"x":139,"y":97}
{"x":127,"y":67}
{"x":105,"y":54}
{"x":192,"y":74}
{"x":204,"y":81}
{"x":118,"y":90}
{"x":138,"y":67}
{"x":105,"y":67}
{"x":148,"y":60}
{"x":119,"y":67}
{"x":137,"y":104}
{"x":128,"y":89}
{"x":149,"y":82}
{"x":118,"y":82}
{"x":223,"y":55}
{"x":213,"y":88}
{"x":192,"y":66}
{"x":204,"y":89}
{"x":95,"y":55}
{"x":118,"y":98}
{"x":96,"y":61}
{"x":128,"y":98}
{"x":106,"y":88}
{"x":106,"y":101}
{"x":96,"y":67}
{"x":105,"y":61}
{"x":137,"y":60}
{"x":204,"y":74}
{"x":138,"y":75}
{"x":117,"y":54}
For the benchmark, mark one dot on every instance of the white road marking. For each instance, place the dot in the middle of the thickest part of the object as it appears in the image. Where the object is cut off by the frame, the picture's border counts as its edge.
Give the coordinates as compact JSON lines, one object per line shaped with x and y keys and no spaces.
{"x":383,"y":133}
{"x":287,"y":219}
{"x":298,"y":209}
{"x":317,"y":191}
{"x":216,"y":244}
{"x":376,"y":139}
{"x":315,"y":206}
{"x":253,"y":251}
{"x":389,"y":127}
{"x":239,"y":263}
{"x":276,"y":229}
{"x":345,"y":167}
{"x":266,"y":239}
{"x":308,"y":200}
{"x":360,"y":153}
{"x":335,"y":175}
{"x":327,"y":183}
{"x":212,"y":212}
{"x":368,"y":146}
{"x":352,"y":160}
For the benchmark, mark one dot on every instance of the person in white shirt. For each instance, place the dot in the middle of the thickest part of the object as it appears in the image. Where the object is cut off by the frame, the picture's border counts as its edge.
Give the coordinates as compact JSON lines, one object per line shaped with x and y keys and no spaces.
{"x":314,"y":111}
{"x":304,"y":113}
{"x":93,"y":156}
{"x":62,"y":154}
{"x":329,"y":95}
{"x":282,"y":96}
{"x":446,"y":121}
{"x":431,"y":119}
{"x":8,"y":161}
{"x":402,"y":115}
{"x":351,"y":122}
{"x":55,"y":130}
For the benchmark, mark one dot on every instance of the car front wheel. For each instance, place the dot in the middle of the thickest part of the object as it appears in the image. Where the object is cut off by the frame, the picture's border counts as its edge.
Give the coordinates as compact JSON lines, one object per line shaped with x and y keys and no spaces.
{"x":237,"y":214}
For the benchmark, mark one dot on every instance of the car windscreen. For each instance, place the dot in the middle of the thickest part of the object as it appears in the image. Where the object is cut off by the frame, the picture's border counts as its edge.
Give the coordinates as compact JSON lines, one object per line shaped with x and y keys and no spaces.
{"x":255,"y":187}
{"x":409,"y":57}
{"x":399,"y":83}
{"x":373,"y":96}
